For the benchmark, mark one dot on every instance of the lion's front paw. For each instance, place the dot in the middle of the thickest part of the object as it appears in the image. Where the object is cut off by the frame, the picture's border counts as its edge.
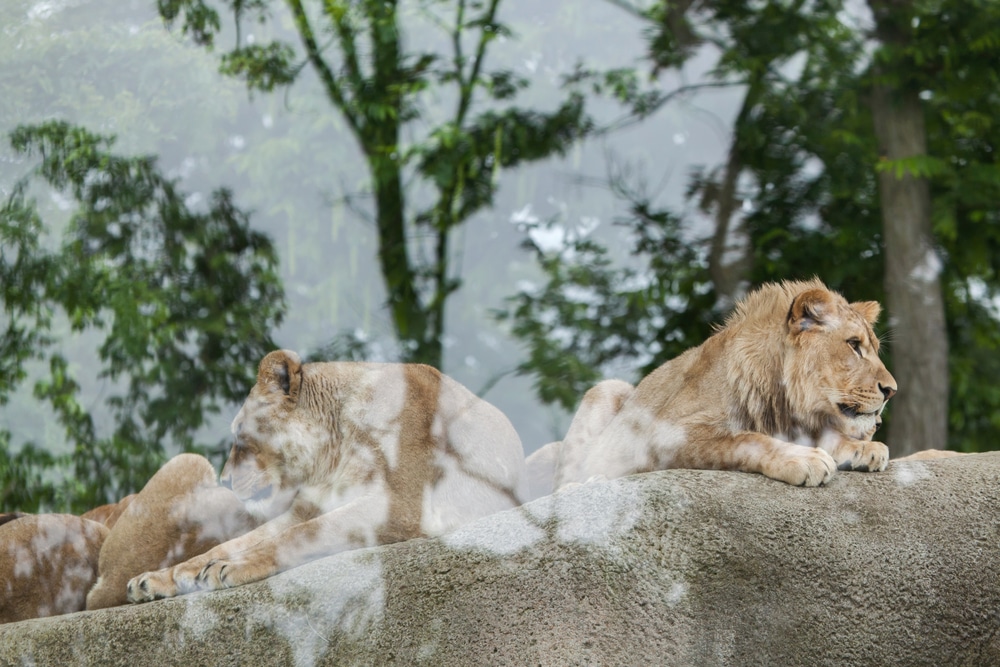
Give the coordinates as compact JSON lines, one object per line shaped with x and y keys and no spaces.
{"x":151,"y":586}
{"x":863,"y":455}
{"x":802,"y":466}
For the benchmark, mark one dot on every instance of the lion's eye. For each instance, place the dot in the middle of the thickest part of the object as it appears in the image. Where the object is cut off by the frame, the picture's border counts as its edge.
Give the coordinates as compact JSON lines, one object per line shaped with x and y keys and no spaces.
{"x":855,"y":344}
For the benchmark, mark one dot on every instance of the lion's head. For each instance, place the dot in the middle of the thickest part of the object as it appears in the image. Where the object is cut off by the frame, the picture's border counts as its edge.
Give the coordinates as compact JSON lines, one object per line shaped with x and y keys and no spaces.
{"x":832,"y":373}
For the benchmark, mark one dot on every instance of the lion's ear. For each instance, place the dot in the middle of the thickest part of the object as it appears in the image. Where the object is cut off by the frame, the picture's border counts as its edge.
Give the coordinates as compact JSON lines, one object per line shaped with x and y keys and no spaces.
{"x":810,"y":309}
{"x":870,"y":310}
{"x":281,"y":370}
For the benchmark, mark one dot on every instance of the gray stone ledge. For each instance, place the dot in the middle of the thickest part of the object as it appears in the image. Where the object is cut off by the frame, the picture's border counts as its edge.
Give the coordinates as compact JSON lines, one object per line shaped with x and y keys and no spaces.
{"x":670,"y":568}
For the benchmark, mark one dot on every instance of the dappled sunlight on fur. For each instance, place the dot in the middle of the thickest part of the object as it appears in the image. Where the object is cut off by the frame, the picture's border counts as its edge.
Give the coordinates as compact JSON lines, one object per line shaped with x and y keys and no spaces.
{"x":48,"y":562}
{"x":180,"y":513}
{"x":337,"y":456}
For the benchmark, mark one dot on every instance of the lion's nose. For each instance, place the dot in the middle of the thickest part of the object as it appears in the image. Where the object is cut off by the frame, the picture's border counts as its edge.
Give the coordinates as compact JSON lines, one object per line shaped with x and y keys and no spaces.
{"x":887,"y":391}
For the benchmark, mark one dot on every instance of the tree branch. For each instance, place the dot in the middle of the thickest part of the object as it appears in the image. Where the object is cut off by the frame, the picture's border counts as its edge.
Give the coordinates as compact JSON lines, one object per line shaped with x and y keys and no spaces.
{"x":484,"y":37}
{"x":347,"y":35}
{"x":326,"y":75}
{"x":633,"y":118}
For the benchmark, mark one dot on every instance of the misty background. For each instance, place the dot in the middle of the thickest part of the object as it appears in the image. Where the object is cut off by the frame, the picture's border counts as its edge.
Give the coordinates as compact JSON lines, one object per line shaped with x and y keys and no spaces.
{"x":713,"y":147}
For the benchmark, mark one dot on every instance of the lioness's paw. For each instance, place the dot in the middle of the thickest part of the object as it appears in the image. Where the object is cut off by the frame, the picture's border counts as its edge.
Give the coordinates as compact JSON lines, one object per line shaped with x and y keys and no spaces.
{"x":220,"y":573}
{"x":803,"y":466}
{"x":187,"y":575}
{"x":862,"y":455}
{"x":151,"y":586}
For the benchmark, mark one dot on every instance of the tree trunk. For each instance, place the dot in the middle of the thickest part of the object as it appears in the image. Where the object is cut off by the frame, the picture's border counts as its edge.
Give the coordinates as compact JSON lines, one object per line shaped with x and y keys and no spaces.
{"x":411,"y":318}
{"x":730,"y":257}
{"x":918,"y":339}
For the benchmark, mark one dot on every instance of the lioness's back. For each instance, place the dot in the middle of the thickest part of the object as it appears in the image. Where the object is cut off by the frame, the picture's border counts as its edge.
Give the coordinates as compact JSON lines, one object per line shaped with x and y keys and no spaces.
{"x":470,"y":454}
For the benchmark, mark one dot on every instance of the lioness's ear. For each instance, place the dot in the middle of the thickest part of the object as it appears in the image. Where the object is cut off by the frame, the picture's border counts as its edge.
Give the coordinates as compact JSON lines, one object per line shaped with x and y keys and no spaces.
{"x":281,"y":371}
{"x":869,"y":310}
{"x":813,"y":308}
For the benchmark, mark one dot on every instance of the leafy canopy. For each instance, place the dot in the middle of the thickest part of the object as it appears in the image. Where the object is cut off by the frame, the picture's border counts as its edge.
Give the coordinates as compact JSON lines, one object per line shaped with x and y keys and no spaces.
{"x":183,"y":298}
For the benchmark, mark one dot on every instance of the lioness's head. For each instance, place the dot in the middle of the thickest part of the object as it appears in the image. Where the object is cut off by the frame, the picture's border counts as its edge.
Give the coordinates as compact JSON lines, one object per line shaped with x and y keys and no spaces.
{"x":273,"y":446}
{"x":833,"y":369}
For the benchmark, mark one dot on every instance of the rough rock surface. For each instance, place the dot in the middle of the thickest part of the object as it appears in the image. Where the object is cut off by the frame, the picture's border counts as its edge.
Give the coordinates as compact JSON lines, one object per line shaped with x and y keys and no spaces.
{"x":669,"y":568}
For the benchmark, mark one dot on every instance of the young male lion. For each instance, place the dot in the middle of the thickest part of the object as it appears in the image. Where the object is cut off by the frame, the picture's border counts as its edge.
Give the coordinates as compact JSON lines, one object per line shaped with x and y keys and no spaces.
{"x":337,"y":456}
{"x":791,"y":387}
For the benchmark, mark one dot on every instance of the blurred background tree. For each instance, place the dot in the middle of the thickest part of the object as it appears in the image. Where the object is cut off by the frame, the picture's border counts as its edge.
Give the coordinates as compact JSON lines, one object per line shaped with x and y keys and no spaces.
{"x":185,"y":299}
{"x":359,"y":51}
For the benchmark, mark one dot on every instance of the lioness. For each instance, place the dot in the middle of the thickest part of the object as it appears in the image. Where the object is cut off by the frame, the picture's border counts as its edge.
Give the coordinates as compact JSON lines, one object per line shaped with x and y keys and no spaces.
{"x":791,"y":387}
{"x":336,"y":456}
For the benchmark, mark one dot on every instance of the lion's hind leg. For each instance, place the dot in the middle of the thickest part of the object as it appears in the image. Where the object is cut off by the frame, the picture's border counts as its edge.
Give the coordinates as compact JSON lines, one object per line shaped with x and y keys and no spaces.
{"x":599,"y":406}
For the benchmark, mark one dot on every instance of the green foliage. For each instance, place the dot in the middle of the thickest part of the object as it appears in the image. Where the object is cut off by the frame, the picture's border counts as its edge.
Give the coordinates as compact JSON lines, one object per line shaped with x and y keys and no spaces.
{"x":25,"y":478}
{"x":807,"y":199}
{"x":801,"y":223}
{"x":201,"y":22}
{"x":376,"y":86}
{"x":184,"y":299}
{"x":262,"y":67}
{"x":591,"y":320}
{"x":24,"y":271}
{"x":917,"y":166}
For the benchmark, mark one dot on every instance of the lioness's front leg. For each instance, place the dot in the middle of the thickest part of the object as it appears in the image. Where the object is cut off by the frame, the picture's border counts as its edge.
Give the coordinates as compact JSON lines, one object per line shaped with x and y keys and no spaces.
{"x":793,"y":464}
{"x":251,"y":557}
{"x":186,"y":577}
{"x":205,"y":573}
{"x":850,"y":454}
{"x":166,"y":583}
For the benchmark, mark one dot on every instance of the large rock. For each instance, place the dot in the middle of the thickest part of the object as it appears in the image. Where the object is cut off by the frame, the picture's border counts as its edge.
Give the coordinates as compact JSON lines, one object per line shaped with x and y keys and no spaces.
{"x":669,"y":568}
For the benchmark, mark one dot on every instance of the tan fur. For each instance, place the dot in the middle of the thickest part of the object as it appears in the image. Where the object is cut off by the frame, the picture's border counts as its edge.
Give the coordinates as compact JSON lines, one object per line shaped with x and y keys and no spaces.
{"x":48,"y":562}
{"x":181,"y":512}
{"x":791,"y":387}
{"x":541,"y":469}
{"x":598,"y":407}
{"x":109,"y":514}
{"x":336,"y":456}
